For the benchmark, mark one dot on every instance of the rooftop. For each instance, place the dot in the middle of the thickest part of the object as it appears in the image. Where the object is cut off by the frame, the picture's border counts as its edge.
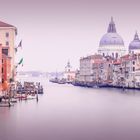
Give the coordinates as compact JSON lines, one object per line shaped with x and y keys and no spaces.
{"x":3,"y":24}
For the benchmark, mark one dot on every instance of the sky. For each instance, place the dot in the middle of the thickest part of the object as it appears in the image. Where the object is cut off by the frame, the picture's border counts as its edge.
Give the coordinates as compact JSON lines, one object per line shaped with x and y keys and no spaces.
{"x":55,"y":31}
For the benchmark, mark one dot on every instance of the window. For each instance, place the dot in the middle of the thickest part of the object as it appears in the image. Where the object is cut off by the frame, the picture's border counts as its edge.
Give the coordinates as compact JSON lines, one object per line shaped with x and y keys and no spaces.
{"x":5,"y":51}
{"x":133,"y":62}
{"x":7,"y":34}
{"x":116,"y":55}
{"x":2,"y":70}
{"x":133,"y":68}
{"x":7,"y":43}
{"x":132,"y":52}
{"x":113,"y":55}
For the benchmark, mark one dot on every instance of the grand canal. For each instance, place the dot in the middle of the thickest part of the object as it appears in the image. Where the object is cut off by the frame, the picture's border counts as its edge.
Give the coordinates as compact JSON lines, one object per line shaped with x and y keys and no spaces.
{"x":66,"y":112}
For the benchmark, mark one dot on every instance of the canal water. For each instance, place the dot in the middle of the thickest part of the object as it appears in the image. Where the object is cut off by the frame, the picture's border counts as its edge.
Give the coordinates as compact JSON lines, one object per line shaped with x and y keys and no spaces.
{"x":66,"y":112}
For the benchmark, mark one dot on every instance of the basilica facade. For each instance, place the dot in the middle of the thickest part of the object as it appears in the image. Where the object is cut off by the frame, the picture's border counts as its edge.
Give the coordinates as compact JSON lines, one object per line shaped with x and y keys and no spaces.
{"x":112,"y":65}
{"x":112,"y":44}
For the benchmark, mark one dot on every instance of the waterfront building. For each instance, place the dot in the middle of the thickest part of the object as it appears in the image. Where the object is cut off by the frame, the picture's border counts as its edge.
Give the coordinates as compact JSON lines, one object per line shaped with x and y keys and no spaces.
{"x":121,"y":71}
{"x":112,"y":66}
{"x":77,"y":75}
{"x":106,"y":70}
{"x":117,"y":73}
{"x":69,"y":74}
{"x":126,"y":71}
{"x":135,"y":70}
{"x":6,"y":68}
{"x":89,"y":67}
{"x":112,"y":44}
{"x":96,"y":69}
{"x":7,"y":40}
{"x":134,"y":46}
{"x":5,"y":65}
{"x":131,"y":70}
{"x":1,"y":67}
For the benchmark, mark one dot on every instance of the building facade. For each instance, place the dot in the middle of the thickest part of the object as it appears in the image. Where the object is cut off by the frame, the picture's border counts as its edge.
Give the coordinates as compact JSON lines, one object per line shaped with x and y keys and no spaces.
{"x":7,"y":40}
{"x":106,"y":70}
{"x":69,"y":74}
{"x":112,"y":66}
{"x":6,"y":68}
{"x":89,"y":68}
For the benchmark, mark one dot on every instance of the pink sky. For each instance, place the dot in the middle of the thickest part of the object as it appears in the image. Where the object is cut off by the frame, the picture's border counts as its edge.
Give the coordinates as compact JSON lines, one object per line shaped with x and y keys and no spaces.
{"x":56,"y":31}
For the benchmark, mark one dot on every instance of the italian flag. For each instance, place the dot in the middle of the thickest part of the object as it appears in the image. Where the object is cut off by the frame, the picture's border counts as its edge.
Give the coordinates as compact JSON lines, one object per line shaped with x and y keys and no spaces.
{"x":20,"y":62}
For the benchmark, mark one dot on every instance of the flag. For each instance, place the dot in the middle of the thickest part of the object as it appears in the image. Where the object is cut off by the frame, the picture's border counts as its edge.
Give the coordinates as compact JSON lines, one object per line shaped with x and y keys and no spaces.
{"x":15,"y":49}
{"x":21,"y":61}
{"x":20,"y":44}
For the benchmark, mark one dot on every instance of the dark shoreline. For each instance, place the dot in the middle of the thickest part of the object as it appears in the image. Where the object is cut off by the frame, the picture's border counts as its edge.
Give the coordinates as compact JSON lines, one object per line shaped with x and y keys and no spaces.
{"x":91,"y":85}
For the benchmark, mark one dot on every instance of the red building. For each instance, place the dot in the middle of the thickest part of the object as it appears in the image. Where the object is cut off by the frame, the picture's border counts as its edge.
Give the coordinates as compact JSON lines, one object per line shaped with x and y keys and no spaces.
{"x":5,"y":66}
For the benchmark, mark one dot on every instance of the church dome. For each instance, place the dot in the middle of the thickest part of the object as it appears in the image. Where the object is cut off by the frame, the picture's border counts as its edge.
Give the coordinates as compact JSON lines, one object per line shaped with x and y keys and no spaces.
{"x":135,"y":44}
{"x":111,"y":37}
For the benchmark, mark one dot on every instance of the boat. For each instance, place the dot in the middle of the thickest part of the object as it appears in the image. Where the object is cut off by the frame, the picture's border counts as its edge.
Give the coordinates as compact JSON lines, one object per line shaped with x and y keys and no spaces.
{"x":30,"y":97}
{"x":1,"y":98}
{"x":40,"y":91}
{"x":61,"y":82}
{"x":13,"y":100}
{"x":55,"y":80}
{"x":6,"y":104}
{"x":58,"y":81}
{"x":21,"y":97}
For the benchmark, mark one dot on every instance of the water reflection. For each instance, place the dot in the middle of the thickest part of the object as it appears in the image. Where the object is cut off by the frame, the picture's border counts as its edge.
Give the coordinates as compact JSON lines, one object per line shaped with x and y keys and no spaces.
{"x":66,"y":112}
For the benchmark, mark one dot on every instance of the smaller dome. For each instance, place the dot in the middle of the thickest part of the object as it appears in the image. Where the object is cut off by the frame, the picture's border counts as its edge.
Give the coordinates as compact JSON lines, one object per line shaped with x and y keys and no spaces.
{"x":135,"y":44}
